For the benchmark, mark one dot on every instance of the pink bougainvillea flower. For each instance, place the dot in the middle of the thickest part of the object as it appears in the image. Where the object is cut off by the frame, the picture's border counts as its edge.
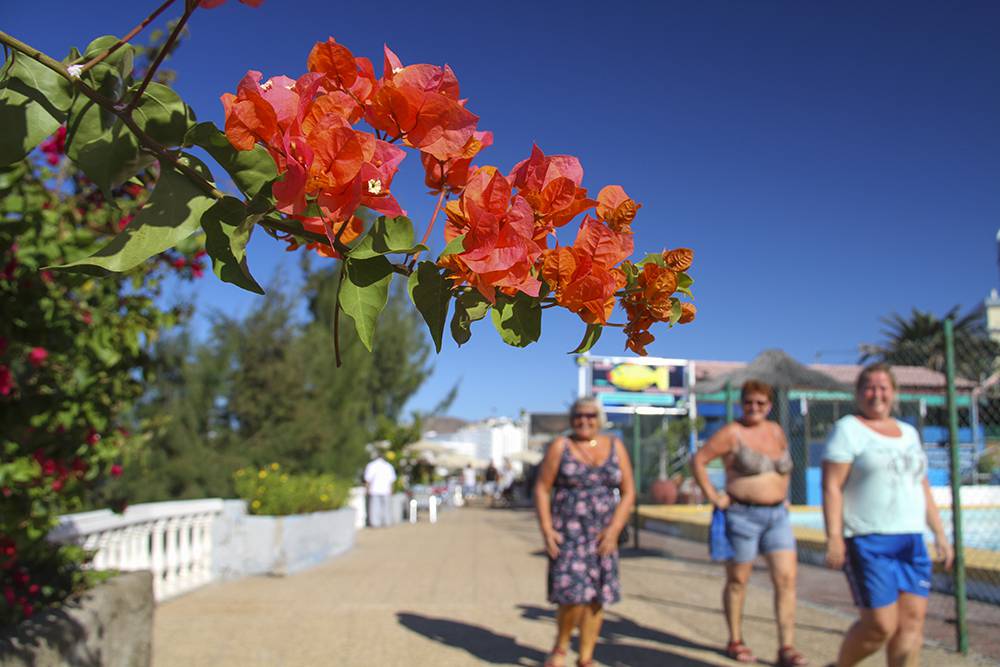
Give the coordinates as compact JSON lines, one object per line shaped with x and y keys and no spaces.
{"x":37,"y":356}
{"x":6,"y":381}
{"x":116,"y":470}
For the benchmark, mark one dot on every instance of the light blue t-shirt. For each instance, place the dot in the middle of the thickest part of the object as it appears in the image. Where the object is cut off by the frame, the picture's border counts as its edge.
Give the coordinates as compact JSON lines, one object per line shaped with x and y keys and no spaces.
{"x":884,"y":491}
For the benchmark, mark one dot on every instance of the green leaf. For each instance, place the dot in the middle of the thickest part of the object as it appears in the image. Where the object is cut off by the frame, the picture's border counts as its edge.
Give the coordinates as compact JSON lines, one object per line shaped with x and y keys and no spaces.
{"x":227,"y":230}
{"x":518,"y":320}
{"x":386,"y":235}
{"x":590,"y":337}
{"x":675,"y":312}
{"x":112,"y":158}
{"x":172,"y":213}
{"x":684,"y":282}
{"x":654,"y":257}
{"x":469,"y":307}
{"x":364,"y":293}
{"x":455,"y":246}
{"x":250,"y":170}
{"x":162,"y":114}
{"x":33,"y":103}
{"x":86,"y":121}
{"x":122,"y":59}
{"x":430,"y":292}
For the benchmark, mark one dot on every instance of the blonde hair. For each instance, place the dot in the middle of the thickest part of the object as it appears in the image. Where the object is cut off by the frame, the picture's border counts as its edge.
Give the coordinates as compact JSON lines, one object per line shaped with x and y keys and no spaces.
{"x":871,"y":369}
{"x":592,"y":402}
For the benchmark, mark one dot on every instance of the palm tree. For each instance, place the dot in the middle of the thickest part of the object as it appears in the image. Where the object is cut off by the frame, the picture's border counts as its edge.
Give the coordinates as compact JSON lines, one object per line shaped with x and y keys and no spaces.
{"x":919,"y":341}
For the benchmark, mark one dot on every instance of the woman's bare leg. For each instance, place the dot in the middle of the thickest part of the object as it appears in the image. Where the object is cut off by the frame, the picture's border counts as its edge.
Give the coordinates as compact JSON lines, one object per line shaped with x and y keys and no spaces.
{"x":733,"y":595}
{"x":590,"y":630}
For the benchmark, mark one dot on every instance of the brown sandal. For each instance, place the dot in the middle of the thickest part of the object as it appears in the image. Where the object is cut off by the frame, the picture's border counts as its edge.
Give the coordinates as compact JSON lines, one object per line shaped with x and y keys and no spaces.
{"x":789,"y":657}
{"x":740,"y":652}
{"x":554,"y":653}
{"x":585,"y":663}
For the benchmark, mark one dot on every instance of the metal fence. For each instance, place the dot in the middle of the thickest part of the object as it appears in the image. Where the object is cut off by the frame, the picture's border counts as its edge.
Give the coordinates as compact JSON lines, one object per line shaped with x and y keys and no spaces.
{"x":949,"y":389}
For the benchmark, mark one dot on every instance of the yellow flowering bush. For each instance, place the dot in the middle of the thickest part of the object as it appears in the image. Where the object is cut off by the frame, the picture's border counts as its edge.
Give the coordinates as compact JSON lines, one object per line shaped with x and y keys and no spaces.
{"x":270,"y":491}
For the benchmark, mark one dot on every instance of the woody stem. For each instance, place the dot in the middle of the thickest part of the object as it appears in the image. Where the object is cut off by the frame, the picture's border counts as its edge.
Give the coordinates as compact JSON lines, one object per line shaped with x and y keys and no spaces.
{"x":125,"y":40}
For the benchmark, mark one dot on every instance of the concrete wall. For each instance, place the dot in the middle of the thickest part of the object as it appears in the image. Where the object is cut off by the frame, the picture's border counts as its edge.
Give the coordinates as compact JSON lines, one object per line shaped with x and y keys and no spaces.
{"x":247,"y":545}
{"x":110,"y":625}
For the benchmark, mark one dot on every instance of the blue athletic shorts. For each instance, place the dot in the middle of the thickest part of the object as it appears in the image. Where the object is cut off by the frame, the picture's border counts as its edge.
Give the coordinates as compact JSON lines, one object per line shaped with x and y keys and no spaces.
{"x":880,"y":567}
{"x":754,"y":529}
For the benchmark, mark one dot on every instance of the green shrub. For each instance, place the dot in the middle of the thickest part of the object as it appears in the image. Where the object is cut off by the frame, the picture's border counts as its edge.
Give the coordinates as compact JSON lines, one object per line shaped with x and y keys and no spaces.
{"x":269,"y":491}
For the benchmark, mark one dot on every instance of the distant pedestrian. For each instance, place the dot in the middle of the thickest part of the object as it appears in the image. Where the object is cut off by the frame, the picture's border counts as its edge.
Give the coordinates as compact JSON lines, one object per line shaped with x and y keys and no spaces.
{"x":469,"y":480}
{"x":580,"y":524}
{"x":876,"y":503}
{"x":754,"y":504}
{"x":490,"y":484}
{"x":379,"y":478}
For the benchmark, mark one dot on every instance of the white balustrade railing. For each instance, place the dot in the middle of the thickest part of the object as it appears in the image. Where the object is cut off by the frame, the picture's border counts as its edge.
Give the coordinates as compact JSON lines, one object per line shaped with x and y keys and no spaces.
{"x":172,"y":539}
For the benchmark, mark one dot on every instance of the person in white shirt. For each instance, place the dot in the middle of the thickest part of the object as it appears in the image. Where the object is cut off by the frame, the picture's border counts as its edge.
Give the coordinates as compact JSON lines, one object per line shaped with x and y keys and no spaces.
{"x":469,"y":481}
{"x":379,"y":478}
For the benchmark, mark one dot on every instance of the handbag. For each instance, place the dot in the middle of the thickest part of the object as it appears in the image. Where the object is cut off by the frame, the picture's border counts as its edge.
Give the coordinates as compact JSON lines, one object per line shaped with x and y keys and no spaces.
{"x":719,"y":548}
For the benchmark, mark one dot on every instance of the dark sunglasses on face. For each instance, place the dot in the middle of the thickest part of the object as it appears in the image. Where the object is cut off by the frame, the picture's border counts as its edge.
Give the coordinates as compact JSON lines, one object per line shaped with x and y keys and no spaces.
{"x":584,"y":415}
{"x":759,"y":404}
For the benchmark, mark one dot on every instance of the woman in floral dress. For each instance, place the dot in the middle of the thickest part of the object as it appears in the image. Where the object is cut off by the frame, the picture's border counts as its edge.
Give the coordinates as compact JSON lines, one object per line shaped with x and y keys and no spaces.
{"x":580,"y":523}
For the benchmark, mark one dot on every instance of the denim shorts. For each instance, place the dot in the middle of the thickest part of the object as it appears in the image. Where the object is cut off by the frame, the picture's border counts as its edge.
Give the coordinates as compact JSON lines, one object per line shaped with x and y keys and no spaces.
{"x":757,"y":529}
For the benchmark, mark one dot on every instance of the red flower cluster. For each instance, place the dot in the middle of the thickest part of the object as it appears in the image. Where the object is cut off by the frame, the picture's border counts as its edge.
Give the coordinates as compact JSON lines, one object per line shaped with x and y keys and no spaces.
{"x":55,"y":146}
{"x":308,"y":126}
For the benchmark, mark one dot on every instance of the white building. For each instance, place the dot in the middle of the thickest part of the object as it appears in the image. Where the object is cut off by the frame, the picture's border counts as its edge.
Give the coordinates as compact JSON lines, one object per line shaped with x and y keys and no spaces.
{"x":493,"y":439}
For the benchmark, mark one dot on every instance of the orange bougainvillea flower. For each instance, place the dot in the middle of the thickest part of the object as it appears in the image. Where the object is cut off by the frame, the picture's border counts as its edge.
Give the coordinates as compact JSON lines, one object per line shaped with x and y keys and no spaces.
{"x":249,"y":117}
{"x":453,"y":174}
{"x":606,"y":246}
{"x":420,"y":104}
{"x":551,"y":184}
{"x":500,"y":252}
{"x":616,"y":208}
{"x":679,"y":259}
{"x":351,"y":80}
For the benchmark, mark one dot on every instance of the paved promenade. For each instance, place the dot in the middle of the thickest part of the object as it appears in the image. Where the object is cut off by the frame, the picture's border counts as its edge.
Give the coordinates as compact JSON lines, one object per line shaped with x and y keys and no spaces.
{"x":470,"y":590}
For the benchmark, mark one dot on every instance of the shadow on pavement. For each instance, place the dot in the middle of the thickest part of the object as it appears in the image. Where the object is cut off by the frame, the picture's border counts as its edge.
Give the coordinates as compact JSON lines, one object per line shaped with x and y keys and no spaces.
{"x":618,"y":629}
{"x":750,"y":617}
{"x":480,"y":642}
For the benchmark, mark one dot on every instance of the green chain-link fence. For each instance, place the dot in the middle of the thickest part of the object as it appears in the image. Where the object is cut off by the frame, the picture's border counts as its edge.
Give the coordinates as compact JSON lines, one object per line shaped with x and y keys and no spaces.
{"x":960,"y":430}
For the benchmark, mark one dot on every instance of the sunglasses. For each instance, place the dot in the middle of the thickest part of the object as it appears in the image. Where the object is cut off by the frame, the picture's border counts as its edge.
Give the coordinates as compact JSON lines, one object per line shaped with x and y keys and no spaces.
{"x":584,"y":415}
{"x":757,"y":403}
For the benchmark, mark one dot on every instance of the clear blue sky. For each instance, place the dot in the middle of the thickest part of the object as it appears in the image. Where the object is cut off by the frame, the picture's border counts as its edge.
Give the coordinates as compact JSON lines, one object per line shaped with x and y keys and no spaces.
{"x":829,"y":162}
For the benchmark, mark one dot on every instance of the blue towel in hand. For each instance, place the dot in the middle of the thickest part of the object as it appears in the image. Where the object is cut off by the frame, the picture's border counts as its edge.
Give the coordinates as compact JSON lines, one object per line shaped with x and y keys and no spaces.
{"x":719,"y":548}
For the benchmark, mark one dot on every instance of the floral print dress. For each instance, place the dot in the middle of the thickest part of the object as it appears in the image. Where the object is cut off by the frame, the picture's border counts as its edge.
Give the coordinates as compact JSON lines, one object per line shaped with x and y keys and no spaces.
{"x":582,"y":506}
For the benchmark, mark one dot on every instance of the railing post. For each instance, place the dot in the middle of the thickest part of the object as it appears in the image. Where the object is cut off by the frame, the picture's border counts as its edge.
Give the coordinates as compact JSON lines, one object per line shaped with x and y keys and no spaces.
{"x":158,"y":557}
{"x":432,"y":509}
{"x":413,"y":510}
{"x":961,"y":628}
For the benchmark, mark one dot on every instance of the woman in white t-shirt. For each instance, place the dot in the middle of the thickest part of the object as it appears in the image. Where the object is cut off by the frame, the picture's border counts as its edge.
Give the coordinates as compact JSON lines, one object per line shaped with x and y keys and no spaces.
{"x":876,"y":503}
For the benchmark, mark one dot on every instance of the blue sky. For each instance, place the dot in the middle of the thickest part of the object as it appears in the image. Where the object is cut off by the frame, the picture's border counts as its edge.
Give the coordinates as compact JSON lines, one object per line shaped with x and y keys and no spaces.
{"x":829,"y":163}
